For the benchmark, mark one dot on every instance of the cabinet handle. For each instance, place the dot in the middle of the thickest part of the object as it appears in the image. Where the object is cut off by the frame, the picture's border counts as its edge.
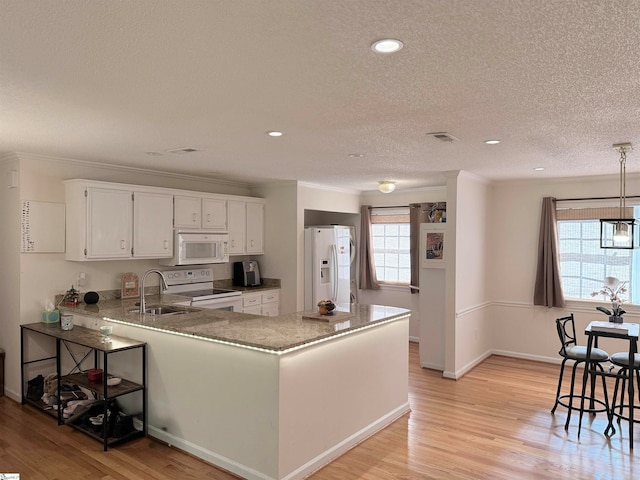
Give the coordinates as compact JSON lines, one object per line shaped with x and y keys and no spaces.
{"x":208,"y":218}
{"x":122,"y":245}
{"x":252,"y":243}
{"x":194,"y":217}
{"x":166,"y":244}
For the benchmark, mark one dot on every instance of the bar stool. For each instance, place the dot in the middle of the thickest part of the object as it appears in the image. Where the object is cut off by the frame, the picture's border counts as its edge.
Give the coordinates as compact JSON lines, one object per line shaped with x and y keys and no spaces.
{"x":578,"y":354}
{"x":621,"y":359}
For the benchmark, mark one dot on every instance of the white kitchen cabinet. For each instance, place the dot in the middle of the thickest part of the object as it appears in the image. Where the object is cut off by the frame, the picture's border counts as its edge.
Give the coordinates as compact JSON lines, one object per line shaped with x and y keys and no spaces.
{"x":271,"y":303}
{"x":236,"y":220}
{"x":214,"y":214}
{"x":255,"y":227}
{"x":187,"y":212}
{"x":246,"y":227}
{"x":265,"y":303}
{"x":102,"y":222}
{"x":200,"y":212}
{"x":152,"y":225}
{"x":108,"y":224}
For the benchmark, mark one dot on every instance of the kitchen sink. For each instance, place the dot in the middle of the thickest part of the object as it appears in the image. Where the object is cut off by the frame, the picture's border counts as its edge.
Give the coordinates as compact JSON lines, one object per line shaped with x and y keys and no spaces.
{"x":163,"y":310}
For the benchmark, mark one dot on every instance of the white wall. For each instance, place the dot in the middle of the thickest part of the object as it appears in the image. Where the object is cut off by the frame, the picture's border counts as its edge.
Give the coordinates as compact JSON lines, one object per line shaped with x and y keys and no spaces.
{"x":29,"y":279}
{"x":10,"y":284}
{"x":280,"y":243}
{"x":514,"y":326}
{"x":470,"y":292}
{"x":394,"y":296}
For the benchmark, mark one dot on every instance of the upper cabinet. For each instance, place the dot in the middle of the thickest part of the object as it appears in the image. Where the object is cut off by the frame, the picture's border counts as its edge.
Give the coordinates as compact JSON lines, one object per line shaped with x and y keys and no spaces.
{"x":246,"y":226}
{"x":105,"y":222}
{"x":110,"y":221}
{"x":152,"y":225}
{"x":200,"y":212}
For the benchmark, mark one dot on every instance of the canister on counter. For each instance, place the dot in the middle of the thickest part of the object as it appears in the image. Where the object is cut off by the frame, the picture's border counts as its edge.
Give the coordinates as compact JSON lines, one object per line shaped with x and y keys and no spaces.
{"x":66,"y":321}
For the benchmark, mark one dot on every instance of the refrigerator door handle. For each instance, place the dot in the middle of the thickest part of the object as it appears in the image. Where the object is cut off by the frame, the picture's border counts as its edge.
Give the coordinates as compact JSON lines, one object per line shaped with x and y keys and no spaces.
{"x":334,"y":273}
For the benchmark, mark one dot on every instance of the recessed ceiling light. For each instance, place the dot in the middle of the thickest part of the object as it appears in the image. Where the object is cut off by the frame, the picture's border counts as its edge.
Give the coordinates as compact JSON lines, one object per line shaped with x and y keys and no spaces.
{"x":154,"y":154}
{"x":538,"y":169}
{"x":492,"y":142}
{"x":387,"y":45}
{"x":274,"y":133}
{"x":356,"y":155}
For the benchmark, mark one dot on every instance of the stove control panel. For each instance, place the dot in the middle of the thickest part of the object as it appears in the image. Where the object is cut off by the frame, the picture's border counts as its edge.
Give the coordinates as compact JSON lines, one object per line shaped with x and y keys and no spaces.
{"x":186,"y":276}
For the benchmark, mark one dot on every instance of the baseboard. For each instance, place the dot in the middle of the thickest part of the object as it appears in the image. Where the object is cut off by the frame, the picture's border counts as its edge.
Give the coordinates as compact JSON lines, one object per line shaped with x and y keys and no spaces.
{"x":207,"y":455}
{"x":301,"y":472}
{"x":347,"y":444}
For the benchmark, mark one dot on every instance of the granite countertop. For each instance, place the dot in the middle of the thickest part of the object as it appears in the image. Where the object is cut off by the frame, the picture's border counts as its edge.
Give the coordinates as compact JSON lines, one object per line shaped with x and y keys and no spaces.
{"x":272,"y":334}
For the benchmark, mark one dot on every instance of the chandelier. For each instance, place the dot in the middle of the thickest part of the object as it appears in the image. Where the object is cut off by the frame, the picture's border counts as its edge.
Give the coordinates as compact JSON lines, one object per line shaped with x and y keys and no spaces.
{"x":619,"y":232}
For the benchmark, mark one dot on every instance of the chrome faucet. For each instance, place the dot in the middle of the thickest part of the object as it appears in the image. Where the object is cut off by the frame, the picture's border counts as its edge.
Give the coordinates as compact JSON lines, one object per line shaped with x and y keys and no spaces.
{"x":163,"y":286}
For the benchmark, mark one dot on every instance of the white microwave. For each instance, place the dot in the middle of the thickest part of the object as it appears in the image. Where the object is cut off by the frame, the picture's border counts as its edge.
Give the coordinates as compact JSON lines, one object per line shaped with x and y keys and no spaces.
{"x":198,"y":248}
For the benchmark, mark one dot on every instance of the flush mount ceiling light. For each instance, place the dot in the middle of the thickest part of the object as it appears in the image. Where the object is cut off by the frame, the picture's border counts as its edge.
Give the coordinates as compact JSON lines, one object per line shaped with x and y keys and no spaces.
{"x":274,"y":133}
{"x":619,"y":232}
{"x":538,"y":169}
{"x":386,"y":186}
{"x":492,"y":142}
{"x":387,"y":45}
{"x":356,"y":155}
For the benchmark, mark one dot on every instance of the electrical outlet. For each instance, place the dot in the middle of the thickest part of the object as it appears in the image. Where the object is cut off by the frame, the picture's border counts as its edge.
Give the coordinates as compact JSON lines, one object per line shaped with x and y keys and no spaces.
{"x":81,"y":279}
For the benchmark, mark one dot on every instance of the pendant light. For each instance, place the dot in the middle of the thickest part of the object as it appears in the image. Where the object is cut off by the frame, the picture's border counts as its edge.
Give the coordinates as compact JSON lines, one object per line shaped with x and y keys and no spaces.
{"x":619,"y":232}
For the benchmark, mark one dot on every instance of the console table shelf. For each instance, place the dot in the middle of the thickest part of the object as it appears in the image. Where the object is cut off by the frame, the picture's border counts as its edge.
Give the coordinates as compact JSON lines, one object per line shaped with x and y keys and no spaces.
{"x":101,"y":352}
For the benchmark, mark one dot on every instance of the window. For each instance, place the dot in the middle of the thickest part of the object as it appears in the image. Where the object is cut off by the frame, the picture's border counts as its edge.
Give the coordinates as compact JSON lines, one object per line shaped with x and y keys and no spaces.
{"x":390,"y":232}
{"x":583,"y":264}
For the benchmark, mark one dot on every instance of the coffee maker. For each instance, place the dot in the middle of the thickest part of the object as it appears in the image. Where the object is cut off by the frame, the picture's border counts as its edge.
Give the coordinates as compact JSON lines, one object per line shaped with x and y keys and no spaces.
{"x":246,"y":274}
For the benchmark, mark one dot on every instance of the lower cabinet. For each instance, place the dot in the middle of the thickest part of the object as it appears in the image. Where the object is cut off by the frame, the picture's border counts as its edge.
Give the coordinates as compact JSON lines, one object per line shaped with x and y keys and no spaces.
{"x":71,"y":379}
{"x":265,"y":302}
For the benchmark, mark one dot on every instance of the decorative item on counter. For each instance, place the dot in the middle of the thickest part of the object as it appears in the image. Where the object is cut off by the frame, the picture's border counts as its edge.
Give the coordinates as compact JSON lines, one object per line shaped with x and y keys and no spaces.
{"x":66,"y":322}
{"x":326,"y":307}
{"x":130,"y":286}
{"x":106,"y":330}
{"x":50,"y":314}
{"x":91,"y":298}
{"x":612,"y":290}
{"x":71,"y":297}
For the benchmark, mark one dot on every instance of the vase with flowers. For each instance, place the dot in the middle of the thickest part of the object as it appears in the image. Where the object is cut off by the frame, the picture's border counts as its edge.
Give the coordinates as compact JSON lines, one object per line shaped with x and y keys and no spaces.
{"x":613,"y":291}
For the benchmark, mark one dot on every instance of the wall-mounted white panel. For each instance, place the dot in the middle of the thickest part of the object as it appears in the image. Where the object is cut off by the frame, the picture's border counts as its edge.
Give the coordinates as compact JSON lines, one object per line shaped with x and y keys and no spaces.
{"x":42,"y":227}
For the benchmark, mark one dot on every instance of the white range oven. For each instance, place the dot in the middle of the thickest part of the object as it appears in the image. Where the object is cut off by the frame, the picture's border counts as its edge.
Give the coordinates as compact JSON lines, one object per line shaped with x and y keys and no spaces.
{"x":197,"y":283}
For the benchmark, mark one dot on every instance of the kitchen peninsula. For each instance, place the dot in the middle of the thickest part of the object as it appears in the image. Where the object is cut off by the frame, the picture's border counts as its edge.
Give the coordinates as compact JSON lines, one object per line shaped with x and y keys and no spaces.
{"x":267,"y":397}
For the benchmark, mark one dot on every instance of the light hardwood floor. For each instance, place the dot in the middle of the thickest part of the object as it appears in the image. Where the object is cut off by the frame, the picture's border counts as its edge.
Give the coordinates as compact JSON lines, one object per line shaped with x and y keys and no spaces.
{"x":494,"y":423}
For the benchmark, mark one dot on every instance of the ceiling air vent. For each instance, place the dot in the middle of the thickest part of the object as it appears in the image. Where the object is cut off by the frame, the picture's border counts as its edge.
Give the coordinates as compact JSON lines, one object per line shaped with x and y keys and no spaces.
{"x":443,"y":136}
{"x":182,"y":151}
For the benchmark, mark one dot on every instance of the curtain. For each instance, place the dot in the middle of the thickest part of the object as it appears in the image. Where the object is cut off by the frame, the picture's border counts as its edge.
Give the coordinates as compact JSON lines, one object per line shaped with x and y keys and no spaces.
{"x":418,"y":213}
{"x":368,"y":279}
{"x":548,"y":286}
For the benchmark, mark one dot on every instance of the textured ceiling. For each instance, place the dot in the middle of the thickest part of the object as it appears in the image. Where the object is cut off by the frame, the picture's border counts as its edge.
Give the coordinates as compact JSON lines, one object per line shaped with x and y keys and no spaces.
{"x":557,"y":81}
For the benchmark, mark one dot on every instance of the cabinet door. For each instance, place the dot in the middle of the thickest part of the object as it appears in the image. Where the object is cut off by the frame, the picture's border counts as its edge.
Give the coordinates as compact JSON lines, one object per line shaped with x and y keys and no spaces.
{"x":255,"y":227}
{"x":255,"y":310}
{"x":152,"y":225}
{"x":270,"y":309}
{"x":214,"y":214}
{"x":236,"y":220}
{"x":109,"y":215}
{"x":187,"y":212}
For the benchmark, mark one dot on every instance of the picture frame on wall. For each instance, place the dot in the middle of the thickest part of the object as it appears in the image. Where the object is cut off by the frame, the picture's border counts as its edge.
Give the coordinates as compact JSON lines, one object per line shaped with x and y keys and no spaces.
{"x":433,"y":245}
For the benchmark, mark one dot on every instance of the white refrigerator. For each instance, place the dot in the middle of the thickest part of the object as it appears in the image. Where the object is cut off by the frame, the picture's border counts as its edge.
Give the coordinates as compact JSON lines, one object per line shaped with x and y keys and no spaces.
{"x":327,"y":267}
